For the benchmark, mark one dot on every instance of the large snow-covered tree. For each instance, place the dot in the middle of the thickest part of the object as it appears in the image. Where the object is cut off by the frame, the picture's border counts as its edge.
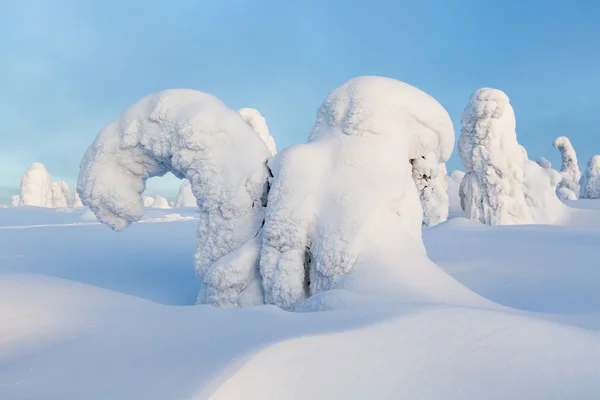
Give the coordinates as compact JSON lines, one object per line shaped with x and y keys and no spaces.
{"x":185,"y":196}
{"x":590,"y":183}
{"x":36,"y":187}
{"x":502,"y":186}
{"x":568,"y":189}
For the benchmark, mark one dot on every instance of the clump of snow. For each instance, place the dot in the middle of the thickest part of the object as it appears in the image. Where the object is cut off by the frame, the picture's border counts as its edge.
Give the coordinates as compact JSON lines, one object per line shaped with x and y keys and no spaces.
{"x":569,"y":170}
{"x":590,"y":183}
{"x":76,"y":199}
{"x":259,"y":125}
{"x":185,"y":197}
{"x":344,"y":216}
{"x":542,"y":162}
{"x":501,"y":187}
{"x":15,"y":201}
{"x":160,"y":202}
{"x":194,"y":136}
{"x":36,"y":187}
{"x":60,"y":194}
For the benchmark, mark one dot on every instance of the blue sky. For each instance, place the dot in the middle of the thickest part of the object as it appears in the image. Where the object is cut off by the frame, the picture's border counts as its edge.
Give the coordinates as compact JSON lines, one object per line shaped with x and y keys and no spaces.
{"x":69,"y":67}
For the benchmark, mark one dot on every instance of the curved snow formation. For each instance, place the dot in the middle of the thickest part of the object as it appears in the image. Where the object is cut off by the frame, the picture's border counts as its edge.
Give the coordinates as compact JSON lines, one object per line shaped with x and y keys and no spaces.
{"x":569,"y":170}
{"x":195,"y":136}
{"x":185,"y":197}
{"x":348,"y":224}
{"x":590,"y":183}
{"x":36,"y":187}
{"x":502,"y":186}
{"x":258,"y":123}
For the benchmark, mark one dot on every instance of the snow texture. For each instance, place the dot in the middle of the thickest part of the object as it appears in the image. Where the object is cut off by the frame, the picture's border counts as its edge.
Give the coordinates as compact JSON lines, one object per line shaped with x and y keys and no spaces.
{"x":348,"y":223}
{"x":194,"y":136}
{"x":36,"y":187}
{"x":259,"y":125}
{"x":185,"y":197}
{"x":61,"y":197}
{"x":502,"y":186}
{"x":569,"y":170}
{"x":160,"y":202}
{"x":590,"y":183}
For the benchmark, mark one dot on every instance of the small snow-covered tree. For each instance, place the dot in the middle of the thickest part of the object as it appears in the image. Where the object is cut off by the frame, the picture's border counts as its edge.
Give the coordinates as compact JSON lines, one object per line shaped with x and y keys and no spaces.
{"x":148,"y":201}
{"x":431,"y":181}
{"x":568,"y":189}
{"x":259,"y":125}
{"x":36,"y":187}
{"x":492,"y":189}
{"x":76,"y":199}
{"x":160,"y":202}
{"x":60,"y":194}
{"x":590,"y":183}
{"x":15,"y":200}
{"x":185,"y":197}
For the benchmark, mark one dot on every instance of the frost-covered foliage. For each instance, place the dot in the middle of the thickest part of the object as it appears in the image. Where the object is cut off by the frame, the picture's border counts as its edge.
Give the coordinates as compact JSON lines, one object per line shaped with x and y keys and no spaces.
{"x":569,"y":170}
{"x":36,"y":187}
{"x":60,"y":194}
{"x":542,"y":162}
{"x":160,"y":202}
{"x":185,"y":197}
{"x":76,"y":199}
{"x":194,"y":136}
{"x":590,"y":184}
{"x":502,"y":186}
{"x":431,"y":181}
{"x":259,"y":125}
{"x":350,"y":216}
{"x":148,"y":201}
{"x":492,"y":189}
{"x":15,"y":201}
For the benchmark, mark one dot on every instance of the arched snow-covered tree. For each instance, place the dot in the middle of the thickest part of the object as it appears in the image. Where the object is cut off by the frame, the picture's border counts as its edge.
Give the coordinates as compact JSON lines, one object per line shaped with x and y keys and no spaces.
{"x":259,"y":125}
{"x":60,"y":194}
{"x":160,"y":202}
{"x":194,"y":136}
{"x":568,"y":189}
{"x":36,"y":187}
{"x":590,"y":183}
{"x":185,"y":197}
{"x":502,"y":186}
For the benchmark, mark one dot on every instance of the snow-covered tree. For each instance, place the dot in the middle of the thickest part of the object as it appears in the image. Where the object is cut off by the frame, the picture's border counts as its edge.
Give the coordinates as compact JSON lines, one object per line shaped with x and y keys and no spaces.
{"x":160,"y":202}
{"x":36,"y":187}
{"x":76,"y":199}
{"x":352,"y":213}
{"x":431,"y":181}
{"x":185,"y":197}
{"x":502,"y":186}
{"x":454,"y":181}
{"x":194,"y":136}
{"x":148,"y":201}
{"x":15,"y":201}
{"x":542,"y":162}
{"x":259,"y":125}
{"x":60,"y":194}
{"x":568,"y":189}
{"x":590,"y":183}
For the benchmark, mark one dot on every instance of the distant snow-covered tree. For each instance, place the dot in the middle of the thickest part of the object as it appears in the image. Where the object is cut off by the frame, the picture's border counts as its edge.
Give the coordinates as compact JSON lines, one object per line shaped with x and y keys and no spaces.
{"x":61,"y":197}
{"x":36,"y":187}
{"x":148,"y":201}
{"x":160,"y":202}
{"x":590,"y":183}
{"x":569,"y":170}
{"x":185,"y":197}
{"x":76,"y":199}
{"x":15,"y":200}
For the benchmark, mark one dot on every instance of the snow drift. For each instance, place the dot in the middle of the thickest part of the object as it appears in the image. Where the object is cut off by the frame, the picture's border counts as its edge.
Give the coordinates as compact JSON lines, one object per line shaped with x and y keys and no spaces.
{"x":501,"y":186}
{"x":194,"y":136}
{"x":348,"y":224}
{"x":590,"y":183}
{"x":36,"y":187}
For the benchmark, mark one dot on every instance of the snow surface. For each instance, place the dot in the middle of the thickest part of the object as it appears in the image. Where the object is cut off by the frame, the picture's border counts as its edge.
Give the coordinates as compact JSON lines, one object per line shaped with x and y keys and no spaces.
{"x":258,"y":123}
{"x":195,"y":136}
{"x":108,"y":315}
{"x":590,"y":183}
{"x":568,"y":188}
{"x":185,"y":196}
{"x":36,"y":187}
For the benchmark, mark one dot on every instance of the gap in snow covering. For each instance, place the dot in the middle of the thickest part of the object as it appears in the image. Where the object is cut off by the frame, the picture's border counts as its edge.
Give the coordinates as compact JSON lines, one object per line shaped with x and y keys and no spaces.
{"x":384,"y":306}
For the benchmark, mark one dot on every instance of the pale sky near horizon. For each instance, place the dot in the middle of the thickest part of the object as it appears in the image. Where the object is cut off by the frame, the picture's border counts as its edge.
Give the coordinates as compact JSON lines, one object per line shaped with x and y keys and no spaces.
{"x":70,"y":66}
